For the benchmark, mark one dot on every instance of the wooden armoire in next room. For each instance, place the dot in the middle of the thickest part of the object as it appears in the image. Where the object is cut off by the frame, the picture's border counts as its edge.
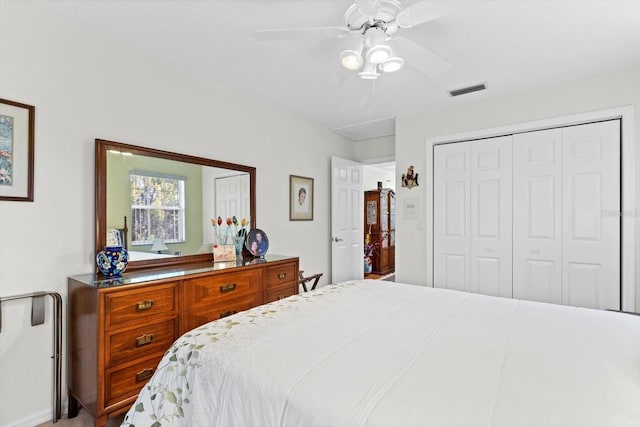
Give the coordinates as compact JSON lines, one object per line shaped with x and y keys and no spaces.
{"x":380,"y":224}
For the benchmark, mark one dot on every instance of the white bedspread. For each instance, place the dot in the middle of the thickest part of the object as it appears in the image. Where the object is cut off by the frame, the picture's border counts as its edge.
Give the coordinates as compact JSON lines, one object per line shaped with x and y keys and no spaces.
{"x":377,"y":353}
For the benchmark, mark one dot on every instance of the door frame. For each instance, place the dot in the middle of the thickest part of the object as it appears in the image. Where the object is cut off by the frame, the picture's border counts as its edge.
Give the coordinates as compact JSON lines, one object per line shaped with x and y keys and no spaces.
{"x":627,"y":191}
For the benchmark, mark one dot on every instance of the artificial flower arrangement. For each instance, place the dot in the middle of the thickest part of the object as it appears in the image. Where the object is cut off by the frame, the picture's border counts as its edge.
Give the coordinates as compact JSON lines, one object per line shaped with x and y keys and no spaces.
{"x":370,"y":247}
{"x":240,"y":229}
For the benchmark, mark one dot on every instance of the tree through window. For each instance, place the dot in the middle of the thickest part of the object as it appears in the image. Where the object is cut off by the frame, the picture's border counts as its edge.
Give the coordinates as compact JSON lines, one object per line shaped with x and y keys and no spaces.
{"x":157,"y":208}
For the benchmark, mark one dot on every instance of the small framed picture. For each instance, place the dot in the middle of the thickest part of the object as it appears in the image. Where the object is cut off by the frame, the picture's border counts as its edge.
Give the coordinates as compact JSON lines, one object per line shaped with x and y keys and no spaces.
{"x":257,"y":242}
{"x":224,"y":253}
{"x":114,"y":237}
{"x":300,"y":198}
{"x":16,"y":151}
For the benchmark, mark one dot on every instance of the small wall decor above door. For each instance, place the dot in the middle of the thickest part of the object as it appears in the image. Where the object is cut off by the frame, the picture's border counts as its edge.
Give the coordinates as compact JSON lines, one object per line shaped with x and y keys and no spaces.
{"x":16,"y":151}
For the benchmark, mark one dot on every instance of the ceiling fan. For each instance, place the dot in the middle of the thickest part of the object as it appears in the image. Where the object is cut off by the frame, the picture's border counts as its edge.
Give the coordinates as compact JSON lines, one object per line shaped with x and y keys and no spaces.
{"x":372,"y":44}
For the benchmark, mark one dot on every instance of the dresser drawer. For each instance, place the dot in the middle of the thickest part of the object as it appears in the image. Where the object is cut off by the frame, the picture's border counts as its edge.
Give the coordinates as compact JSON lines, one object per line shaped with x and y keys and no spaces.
{"x":139,"y":342}
{"x":280,"y":274}
{"x":280,"y":292}
{"x":194,"y":318}
{"x":205,"y":292}
{"x":121,"y":383}
{"x":133,"y":307}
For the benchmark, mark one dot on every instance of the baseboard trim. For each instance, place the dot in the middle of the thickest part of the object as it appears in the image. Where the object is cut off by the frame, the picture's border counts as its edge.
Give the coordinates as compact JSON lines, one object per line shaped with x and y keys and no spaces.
{"x":32,"y":420}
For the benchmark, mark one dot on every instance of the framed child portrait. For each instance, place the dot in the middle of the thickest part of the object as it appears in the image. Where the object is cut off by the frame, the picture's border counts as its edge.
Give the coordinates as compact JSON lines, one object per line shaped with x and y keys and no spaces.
{"x":300,"y":198}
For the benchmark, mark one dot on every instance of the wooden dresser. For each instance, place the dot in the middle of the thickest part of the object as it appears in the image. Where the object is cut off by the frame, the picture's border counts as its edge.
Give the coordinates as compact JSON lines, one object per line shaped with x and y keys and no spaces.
{"x":118,"y":329}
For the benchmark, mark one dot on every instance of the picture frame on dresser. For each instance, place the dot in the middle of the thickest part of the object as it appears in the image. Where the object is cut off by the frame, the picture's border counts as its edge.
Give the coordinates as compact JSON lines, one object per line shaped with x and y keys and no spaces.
{"x":17,"y":141}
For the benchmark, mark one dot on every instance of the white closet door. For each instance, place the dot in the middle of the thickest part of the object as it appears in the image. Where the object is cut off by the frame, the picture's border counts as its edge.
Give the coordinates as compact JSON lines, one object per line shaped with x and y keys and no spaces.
{"x":491,"y":234}
{"x":451,"y":216}
{"x":537,"y":221}
{"x":591,"y":222}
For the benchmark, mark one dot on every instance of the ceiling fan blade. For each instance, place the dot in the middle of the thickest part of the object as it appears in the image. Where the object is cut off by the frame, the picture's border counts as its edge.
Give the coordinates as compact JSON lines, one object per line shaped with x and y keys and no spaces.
{"x":420,"y":58}
{"x":368,"y":8}
{"x":426,"y":11}
{"x":300,"y":33}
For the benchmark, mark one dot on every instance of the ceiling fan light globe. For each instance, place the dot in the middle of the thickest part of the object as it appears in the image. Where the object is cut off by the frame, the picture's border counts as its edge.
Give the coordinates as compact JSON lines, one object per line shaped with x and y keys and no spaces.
{"x":378,"y":54}
{"x":351,"y":60}
{"x":392,"y":64}
{"x":370,"y":71}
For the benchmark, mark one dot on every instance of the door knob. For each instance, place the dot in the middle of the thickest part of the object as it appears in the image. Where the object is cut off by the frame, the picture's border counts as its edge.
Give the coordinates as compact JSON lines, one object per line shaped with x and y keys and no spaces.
{"x":336,"y":239}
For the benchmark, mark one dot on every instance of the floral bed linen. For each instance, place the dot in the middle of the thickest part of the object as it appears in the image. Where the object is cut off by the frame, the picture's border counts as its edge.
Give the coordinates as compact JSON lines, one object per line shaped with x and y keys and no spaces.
{"x":375,"y":353}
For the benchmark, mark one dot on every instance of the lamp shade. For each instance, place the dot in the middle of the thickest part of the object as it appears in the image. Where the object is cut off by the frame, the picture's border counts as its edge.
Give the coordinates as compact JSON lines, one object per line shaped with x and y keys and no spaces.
{"x":351,"y":60}
{"x":158,"y":245}
{"x":370,"y":71}
{"x":351,"y":55}
{"x":392,"y":64}
{"x":377,"y":49}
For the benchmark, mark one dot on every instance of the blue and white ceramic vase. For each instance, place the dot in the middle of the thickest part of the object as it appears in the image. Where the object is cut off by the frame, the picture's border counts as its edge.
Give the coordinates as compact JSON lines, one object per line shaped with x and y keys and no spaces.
{"x":368,"y":265}
{"x":112,"y":261}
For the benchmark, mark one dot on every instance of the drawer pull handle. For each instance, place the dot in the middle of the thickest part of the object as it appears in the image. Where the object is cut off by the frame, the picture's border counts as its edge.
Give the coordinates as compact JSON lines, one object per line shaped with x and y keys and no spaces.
{"x":144,"y":305}
{"x":282,"y":275}
{"x":145,"y":374}
{"x":227,"y":313}
{"x":144,"y":340}
{"x":227,"y":288}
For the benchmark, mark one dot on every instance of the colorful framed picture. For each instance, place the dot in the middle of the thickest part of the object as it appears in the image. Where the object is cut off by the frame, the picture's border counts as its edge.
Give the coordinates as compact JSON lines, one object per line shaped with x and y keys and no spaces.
{"x":300,"y":198}
{"x":16,"y":151}
{"x":257,"y":242}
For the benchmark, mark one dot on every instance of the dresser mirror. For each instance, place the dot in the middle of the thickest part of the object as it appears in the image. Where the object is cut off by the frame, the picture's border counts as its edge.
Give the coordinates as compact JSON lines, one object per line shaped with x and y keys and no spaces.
{"x":159,"y":204}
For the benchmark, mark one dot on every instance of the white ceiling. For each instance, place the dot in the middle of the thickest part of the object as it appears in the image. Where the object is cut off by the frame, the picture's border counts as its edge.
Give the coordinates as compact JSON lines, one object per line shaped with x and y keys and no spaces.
{"x":512,"y":45}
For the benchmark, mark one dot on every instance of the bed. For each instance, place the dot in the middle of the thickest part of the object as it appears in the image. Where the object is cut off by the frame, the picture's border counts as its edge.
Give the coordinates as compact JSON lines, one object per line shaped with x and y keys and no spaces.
{"x":375,"y":353}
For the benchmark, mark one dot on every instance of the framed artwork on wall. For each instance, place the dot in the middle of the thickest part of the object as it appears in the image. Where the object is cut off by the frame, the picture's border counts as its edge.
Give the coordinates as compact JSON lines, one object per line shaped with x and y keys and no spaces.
{"x":16,"y":151}
{"x":300,"y":198}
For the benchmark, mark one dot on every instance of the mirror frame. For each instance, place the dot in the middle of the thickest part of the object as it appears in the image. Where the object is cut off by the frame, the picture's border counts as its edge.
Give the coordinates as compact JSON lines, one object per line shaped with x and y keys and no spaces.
{"x":103,"y":146}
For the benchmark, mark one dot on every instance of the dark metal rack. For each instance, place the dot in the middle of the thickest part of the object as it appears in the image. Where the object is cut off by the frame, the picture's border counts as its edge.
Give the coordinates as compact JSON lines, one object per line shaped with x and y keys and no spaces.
{"x":37,"y":318}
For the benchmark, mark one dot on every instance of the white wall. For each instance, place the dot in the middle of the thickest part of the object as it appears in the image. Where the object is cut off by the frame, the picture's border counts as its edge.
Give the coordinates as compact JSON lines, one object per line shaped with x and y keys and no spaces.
{"x":375,"y":150}
{"x":601,"y":92}
{"x":371,"y":174}
{"x":85,"y":86}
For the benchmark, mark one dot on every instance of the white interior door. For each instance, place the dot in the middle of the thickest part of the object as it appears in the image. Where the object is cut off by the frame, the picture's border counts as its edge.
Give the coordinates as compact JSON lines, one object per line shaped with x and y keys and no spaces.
{"x":537,"y":216}
{"x":347,"y":220}
{"x":491,"y":234}
{"x":451,"y":216}
{"x":591,"y":220}
{"x":232,"y":196}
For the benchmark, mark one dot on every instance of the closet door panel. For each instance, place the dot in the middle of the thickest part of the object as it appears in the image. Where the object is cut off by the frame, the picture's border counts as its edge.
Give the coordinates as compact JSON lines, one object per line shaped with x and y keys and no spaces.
{"x":537,"y":216}
{"x":491,"y":235}
{"x":591,"y":206}
{"x":451,"y":216}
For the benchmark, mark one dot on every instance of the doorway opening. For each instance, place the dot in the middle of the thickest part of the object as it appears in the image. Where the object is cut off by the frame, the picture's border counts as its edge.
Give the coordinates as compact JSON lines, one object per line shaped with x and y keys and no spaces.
{"x":379,"y":185}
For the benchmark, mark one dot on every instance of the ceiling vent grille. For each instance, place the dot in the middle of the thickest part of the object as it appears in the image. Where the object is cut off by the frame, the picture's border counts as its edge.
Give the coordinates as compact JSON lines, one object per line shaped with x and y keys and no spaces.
{"x":464,"y":90}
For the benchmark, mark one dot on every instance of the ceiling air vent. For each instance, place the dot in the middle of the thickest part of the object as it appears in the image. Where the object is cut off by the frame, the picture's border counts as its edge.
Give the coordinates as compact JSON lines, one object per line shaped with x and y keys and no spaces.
{"x":462,"y":91}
